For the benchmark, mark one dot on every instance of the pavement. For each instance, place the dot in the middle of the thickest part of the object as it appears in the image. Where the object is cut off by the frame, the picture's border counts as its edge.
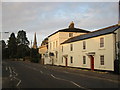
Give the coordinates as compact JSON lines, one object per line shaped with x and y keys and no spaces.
{"x":97,"y":74}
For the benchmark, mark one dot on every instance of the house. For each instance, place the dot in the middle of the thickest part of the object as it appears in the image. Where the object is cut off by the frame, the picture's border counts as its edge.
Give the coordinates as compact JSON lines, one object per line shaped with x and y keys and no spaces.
{"x":54,"y":54}
{"x":43,"y":49}
{"x":95,"y":50}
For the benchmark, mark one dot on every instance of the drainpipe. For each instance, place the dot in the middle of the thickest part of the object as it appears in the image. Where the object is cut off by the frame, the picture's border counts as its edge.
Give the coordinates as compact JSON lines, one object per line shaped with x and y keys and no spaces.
{"x":116,"y":62}
{"x":115,"y":45}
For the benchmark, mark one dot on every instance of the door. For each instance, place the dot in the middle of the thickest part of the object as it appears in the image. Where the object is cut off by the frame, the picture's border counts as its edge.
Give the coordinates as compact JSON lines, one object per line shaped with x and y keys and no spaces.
{"x":66,"y":62}
{"x":92,"y":63}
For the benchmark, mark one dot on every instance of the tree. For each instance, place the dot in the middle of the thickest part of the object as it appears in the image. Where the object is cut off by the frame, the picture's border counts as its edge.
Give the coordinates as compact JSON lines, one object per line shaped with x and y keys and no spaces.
{"x":3,"y":45}
{"x":23,"y":51}
{"x":23,"y":48}
{"x":35,"y":56}
{"x":21,"y":38}
{"x":4,"y":53}
{"x":12,"y":46}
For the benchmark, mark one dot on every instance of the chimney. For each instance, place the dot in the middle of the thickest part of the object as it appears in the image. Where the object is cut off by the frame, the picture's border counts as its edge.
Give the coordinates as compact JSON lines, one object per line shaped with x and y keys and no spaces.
{"x":71,"y":25}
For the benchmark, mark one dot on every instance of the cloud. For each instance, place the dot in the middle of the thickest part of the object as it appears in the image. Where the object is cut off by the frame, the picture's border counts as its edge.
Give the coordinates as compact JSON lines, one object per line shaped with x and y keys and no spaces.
{"x":45,"y":18}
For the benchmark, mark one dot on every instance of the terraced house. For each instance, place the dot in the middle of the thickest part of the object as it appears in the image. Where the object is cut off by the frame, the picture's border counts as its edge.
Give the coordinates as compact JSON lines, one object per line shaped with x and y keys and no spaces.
{"x":74,"y":47}
{"x":94,"y":50}
{"x":54,"y":53}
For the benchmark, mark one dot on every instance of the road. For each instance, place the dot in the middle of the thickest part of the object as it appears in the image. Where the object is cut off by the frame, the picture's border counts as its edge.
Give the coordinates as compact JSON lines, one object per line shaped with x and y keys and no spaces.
{"x":21,"y":74}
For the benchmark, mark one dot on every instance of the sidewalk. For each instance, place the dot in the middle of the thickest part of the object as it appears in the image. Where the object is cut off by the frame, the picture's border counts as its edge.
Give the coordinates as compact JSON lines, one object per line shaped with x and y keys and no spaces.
{"x":97,"y":74}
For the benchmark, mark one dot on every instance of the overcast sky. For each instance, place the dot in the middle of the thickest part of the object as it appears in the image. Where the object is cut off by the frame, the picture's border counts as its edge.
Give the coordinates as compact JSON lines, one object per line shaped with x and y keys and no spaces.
{"x":44,"y":18}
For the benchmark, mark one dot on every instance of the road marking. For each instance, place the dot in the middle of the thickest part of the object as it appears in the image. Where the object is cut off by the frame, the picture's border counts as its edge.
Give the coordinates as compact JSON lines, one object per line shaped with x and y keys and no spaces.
{"x":10,"y":72}
{"x":15,"y":73}
{"x":14,"y":76}
{"x":70,"y":82}
{"x":6,"y":68}
{"x":18,"y":82}
{"x":41,"y":71}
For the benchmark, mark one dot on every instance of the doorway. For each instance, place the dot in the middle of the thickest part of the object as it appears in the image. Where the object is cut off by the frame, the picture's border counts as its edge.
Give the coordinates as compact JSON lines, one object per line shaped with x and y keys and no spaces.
{"x":66,"y":61}
{"x":92,"y":62}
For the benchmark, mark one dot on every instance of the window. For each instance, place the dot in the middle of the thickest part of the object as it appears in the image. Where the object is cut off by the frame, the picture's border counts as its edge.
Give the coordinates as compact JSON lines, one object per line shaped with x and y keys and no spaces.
{"x":71,"y":59}
{"x":84,"y":60}
{"x":70,"y":34}
{"x":50,"y":46}
{"x":62,"y":59}
{"x":101,"y":42}
{"x":84,"y":45}
{"x":71,"y":47}
{"x":102,"y":59}
{"x":53,"y":45}
{"x":56,"y":54}
{"x":56,"y":43}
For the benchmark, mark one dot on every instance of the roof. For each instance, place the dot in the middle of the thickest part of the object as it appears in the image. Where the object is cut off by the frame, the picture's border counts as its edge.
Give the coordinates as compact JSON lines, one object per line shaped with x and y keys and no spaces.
{"x":96,"y":33}
{"x":70,"y":30}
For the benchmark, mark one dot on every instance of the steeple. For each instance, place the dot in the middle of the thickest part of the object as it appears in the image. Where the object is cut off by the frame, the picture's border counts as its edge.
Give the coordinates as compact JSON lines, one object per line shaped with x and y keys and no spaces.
{"x":35,"y":42}
{"x":119,"y":13}
{"x":71,"y":25}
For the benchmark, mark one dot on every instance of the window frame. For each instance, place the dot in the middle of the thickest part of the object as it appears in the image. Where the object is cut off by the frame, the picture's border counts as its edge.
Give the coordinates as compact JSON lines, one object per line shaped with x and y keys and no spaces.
{"x":102,"y":60}
{"x":71,"y":47}
{"x":71,"y":59}
{"x":84,"y":59}
{"x":101,"y":42}
{"x":70,"y":34}
{"x":84,"y":45}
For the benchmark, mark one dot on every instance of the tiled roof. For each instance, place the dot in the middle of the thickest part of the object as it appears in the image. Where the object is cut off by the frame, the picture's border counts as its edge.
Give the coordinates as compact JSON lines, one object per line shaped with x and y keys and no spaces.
{"x":96,"y":33}
{"x":70,"y":30}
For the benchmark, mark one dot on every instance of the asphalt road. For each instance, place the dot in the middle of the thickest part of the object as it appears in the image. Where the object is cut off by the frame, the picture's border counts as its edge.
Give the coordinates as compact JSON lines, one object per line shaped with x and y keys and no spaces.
{"x":21,"y":74}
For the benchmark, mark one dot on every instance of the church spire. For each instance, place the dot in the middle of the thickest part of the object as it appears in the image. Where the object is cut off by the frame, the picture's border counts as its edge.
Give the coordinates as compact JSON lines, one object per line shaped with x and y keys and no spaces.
{"x":35,"y":42}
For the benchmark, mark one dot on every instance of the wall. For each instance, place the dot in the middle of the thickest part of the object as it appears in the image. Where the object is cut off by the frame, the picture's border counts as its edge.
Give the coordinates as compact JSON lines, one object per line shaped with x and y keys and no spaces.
{"x":92,"y":45}
{"x":59,"y":37}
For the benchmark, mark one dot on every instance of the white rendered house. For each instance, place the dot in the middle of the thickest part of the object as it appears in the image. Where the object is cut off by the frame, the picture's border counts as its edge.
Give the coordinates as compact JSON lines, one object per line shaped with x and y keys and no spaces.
{"x":94,"y":50}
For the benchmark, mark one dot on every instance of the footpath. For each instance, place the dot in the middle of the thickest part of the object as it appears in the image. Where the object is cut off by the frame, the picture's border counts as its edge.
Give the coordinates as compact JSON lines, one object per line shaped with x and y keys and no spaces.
{"x":92,"y":74}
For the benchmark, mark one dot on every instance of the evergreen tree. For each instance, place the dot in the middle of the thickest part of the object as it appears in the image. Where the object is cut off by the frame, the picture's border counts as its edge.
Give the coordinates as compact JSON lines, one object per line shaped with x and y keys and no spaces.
{"x":22,"y":39}
{"x":12,"y":46}
{"x":23,"y":48}
{"x":4,"y":49}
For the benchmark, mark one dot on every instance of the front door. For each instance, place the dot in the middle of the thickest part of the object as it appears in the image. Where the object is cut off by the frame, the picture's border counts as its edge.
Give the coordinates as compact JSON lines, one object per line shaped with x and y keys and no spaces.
{"x":92,"y":63}
{"x":66,"y":62}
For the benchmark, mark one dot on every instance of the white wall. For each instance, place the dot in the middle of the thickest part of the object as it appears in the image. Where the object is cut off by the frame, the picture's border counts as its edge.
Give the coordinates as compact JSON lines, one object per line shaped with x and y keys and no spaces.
{"x":92,"y":45}
{"x":59,"y":37}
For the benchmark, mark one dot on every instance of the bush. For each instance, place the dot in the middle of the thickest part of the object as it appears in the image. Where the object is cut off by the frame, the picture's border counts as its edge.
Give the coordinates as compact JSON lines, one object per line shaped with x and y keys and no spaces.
{"x":35,"y":60}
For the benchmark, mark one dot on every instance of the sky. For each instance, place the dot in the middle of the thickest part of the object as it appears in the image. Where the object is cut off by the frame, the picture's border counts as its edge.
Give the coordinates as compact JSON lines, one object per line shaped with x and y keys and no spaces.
{"x":45,"y":18}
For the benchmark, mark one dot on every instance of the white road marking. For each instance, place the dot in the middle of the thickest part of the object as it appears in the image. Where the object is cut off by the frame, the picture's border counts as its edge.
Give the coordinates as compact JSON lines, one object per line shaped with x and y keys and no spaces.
{"x":6,"y":68}
{"x":14,"y":76}
{"x":70,"y":82}
{"x":15,"y":73}
{"x":41,"y":71}
{"x":10,"y":72}
{"x":18,"y":83}
{"x":18,"y":80}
